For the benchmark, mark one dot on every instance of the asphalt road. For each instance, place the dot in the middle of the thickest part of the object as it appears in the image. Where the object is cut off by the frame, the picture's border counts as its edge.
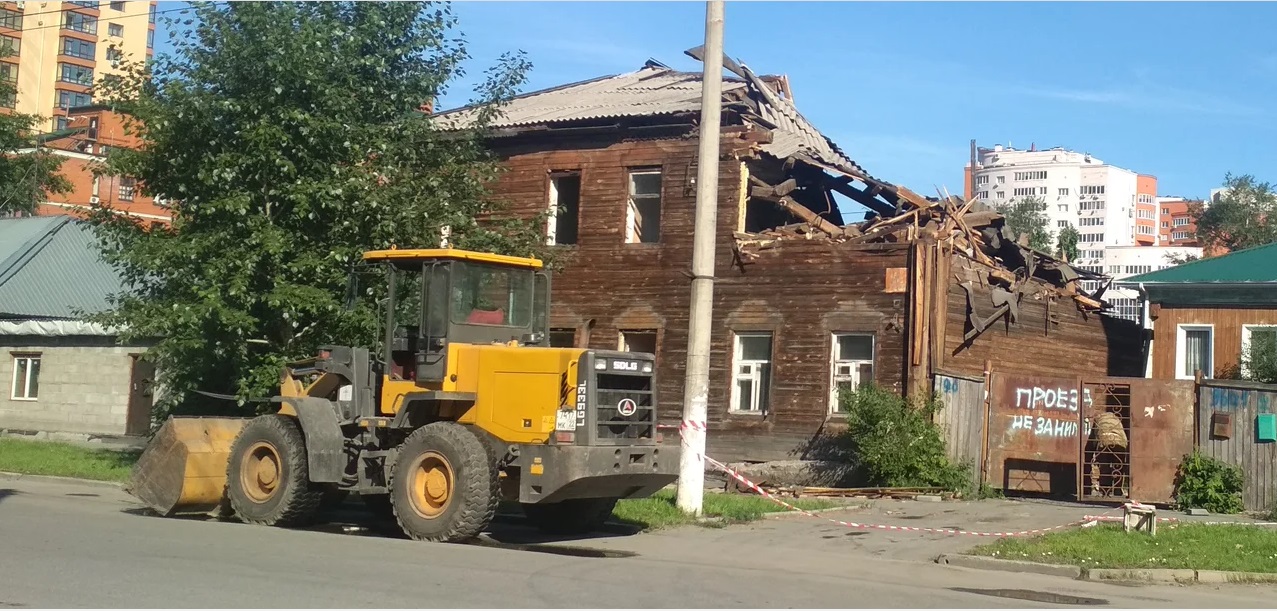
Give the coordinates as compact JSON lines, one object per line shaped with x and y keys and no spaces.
{"x":68,"y":545}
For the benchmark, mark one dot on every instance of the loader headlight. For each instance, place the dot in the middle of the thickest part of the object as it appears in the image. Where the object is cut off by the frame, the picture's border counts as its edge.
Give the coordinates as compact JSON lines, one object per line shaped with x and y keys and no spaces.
{"x":600,"y":365}
{"x":647,"y":368}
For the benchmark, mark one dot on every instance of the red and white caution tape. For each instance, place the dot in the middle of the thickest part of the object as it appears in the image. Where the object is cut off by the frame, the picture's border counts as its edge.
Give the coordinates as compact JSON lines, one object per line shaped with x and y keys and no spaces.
{"x":701,"y":426}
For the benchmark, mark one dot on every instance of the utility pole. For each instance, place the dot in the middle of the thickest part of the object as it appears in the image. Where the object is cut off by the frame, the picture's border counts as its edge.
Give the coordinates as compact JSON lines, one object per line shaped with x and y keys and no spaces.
{"x":691,"y":473}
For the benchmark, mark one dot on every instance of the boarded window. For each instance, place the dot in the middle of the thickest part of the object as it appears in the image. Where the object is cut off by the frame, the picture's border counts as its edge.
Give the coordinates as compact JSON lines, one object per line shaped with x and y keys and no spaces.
{"x":751,"y":374}
{"x":565,"y":207}
{"x":643,"y":217}
{"x":853,"y":365}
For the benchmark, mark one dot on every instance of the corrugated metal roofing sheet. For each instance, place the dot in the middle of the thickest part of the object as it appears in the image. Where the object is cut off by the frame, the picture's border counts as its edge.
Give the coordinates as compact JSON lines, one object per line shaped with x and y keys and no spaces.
{"x":50,"y":267}
{"x":1258,"y":265}
{"x":654,"y":91}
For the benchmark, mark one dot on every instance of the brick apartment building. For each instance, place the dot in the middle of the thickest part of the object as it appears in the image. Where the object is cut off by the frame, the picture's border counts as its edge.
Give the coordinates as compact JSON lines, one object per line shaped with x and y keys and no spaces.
{"x":91,"y":132}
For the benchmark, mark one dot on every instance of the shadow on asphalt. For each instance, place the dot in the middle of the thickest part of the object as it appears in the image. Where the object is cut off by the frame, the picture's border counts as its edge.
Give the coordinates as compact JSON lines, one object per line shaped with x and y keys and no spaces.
{"x":1036,"y":596}
{"x":8,"y":492}
{"x":507,"y":531}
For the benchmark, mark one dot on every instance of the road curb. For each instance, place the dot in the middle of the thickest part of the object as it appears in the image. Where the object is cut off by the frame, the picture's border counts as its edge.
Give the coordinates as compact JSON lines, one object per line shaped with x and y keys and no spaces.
{"x":1141,"y":575}
{"x":54,"y":479}
{"x":1015,"y":566}
{"x":1179,"y":576}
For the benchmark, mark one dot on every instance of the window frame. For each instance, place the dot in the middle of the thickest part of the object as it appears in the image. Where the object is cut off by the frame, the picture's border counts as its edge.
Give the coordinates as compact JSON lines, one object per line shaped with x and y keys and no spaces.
{"x":88,"y":23}
{"x":1181,"y":335}
{"x":112,"y":27}
{"x":632,"y":199}
{"x":1246,"y":336}
{"x":855,"y":364}
{"x":37,"y":357}
{"x":760,"y":394}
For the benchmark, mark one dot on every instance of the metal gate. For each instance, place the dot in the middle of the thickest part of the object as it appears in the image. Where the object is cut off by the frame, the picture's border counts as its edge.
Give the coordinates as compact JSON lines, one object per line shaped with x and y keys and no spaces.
{"x":1095,"y":439}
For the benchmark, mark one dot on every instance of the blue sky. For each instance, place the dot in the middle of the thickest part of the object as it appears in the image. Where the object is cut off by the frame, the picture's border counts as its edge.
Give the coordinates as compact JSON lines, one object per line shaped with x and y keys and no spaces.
{"x":1184,"y":91}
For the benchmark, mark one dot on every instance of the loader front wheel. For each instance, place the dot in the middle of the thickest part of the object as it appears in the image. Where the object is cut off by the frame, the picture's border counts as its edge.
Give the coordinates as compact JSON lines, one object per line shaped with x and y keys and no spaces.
{"x":267,"y":479}
{"x":443,"y":486}
{"x":570,"y":517}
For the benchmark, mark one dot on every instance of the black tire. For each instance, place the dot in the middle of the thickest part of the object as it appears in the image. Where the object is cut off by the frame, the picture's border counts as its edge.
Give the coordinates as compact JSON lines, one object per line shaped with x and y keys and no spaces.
{"x":472,"y":492}
{"x":570,"y":517}
{"x":293,"y":501}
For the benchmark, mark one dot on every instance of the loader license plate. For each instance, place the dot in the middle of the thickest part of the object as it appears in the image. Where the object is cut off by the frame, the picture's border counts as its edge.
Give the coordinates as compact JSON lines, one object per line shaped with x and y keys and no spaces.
{"x":566,"y":421}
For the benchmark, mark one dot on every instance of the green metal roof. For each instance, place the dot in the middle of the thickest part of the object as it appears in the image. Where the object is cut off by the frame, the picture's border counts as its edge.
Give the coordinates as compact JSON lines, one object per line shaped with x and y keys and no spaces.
{"x":50,"y":267}
{"x":1250,"y":266}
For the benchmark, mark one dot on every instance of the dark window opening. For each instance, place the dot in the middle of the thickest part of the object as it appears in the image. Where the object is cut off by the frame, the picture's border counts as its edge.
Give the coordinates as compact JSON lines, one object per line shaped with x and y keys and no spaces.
{"x":565,"y":208}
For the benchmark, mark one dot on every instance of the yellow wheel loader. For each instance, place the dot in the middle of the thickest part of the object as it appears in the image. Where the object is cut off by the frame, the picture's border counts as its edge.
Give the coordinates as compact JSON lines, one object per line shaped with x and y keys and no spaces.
{"x":465,"y":404}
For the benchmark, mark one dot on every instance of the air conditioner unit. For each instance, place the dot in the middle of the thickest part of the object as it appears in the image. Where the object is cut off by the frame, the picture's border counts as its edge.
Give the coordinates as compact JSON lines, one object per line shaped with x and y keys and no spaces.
{"x":94,"y":199}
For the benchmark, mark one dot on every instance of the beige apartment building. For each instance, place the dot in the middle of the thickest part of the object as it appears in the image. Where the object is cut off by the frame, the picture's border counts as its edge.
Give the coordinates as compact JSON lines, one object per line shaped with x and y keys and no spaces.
{"x":59,"y":50}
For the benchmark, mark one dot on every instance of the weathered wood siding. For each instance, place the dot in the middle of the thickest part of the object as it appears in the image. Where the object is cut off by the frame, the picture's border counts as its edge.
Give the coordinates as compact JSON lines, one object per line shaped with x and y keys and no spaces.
{"x":1244,"y":402}
{"x":1073,"y":344}
{"x":962,"y":419}
{"x":1227,"y":326}
{"x":802,"y":292}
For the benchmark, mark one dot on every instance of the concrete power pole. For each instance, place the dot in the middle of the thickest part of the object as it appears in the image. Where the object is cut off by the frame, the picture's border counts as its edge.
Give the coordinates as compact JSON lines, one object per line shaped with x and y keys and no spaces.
{"x":691,"y":478}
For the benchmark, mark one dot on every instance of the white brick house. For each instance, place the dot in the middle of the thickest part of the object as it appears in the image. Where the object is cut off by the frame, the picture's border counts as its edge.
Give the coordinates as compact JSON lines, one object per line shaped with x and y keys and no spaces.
{"x":63,"y":374}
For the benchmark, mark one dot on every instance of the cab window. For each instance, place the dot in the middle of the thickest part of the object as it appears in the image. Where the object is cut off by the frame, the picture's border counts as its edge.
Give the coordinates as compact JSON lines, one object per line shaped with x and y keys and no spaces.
{"x":491,"y":295}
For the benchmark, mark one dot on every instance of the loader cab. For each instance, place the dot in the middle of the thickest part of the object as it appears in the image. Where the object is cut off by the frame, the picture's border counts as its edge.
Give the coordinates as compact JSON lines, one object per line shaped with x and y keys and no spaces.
{"x":436,"y":297}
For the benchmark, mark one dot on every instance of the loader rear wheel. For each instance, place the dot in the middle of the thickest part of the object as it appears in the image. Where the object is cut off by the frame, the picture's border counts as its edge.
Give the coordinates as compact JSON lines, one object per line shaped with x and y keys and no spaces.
{"x":570,"y":517}
{"x":444,"y":485}
{"x":267,"y":479}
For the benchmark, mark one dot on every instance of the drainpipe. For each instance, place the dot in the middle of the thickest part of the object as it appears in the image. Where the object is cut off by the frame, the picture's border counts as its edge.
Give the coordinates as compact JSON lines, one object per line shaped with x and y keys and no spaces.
{"x":1147,"y":324}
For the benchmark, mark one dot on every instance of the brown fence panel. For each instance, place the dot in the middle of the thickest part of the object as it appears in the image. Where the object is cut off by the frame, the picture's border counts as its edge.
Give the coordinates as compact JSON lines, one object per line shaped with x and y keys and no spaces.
{"x":1034,"y":433}
{"x":1161,"y":435}
{"x":1227,"y":415}
{"x":962,"y":418}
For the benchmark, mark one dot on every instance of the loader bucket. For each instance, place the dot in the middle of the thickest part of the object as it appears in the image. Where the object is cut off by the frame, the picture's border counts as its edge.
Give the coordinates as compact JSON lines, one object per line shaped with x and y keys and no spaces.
{"x":183,"y":469}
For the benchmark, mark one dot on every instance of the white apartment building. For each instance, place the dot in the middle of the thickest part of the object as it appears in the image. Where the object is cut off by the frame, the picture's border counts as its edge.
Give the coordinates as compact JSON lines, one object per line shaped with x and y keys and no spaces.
{"x":1109,"y":206}
{"x":1125,"y":261}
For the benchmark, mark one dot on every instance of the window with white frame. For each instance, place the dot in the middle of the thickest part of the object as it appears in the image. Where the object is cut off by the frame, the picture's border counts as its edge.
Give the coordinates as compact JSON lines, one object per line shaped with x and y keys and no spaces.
{"x":1064,"y":191}
{"x":1091,"y":205}
{"x":1181,"y":235}
{"x":1091,"y":190}
{"x":1062,"y":224}
{"x":1181,"y":221}
{"x":26,"y":377}
{"x":853,"y":365}
{"x":751,"y":373}
{"x":1064,"y":207}
{"x":1031,"y":175}
{"x":981,"y":180}
{"x":1002,"y":180}
{"x":1194,"y":351}
{"x":1091,"y":238}
{"x":1145,"y":230}
{"x":643,"y":218}
{"x":1258,"y":342}
{"x":1001,"y":194}
{"x":1091,"y":221}
{"x":982,"y":195}
{"x":1024,"y":191}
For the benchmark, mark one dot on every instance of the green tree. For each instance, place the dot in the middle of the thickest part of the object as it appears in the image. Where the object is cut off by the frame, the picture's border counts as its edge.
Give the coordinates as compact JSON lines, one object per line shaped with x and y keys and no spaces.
{"x":288,"y":138}
{"x":1242,"y":217}
{"x":1066,"y":242}
{"x":1027,"y":216}
{"x":29,"y":173}
{"x":1259,"y":358}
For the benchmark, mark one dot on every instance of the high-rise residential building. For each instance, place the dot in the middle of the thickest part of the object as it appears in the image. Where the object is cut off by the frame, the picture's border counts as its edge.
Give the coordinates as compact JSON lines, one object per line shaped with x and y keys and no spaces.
{"x":1108,"y":205}
{"x":1176,"y":225}
{"x":57,"y":51}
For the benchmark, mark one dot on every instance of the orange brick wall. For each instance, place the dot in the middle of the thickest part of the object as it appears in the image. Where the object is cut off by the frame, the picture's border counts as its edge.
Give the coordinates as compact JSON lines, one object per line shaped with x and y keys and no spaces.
{"x":1146,"y":189}
{"x":1167,"y":213}
{"x":83,"y":152}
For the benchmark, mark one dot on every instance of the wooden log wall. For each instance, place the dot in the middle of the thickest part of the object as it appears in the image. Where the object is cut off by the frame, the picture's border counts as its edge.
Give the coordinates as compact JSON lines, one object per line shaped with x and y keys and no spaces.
{"x":802,"y":292}
{"x":1050,"y":338}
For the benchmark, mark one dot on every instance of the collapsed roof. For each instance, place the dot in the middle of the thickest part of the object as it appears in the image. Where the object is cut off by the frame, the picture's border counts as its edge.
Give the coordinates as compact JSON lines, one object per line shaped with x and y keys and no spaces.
{"x":814,"y":168}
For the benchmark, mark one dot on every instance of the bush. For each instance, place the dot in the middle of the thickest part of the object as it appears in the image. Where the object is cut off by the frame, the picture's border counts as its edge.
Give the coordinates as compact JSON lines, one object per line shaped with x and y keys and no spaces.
{"x":896,"y":443}
{"x":1206,"y":483}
